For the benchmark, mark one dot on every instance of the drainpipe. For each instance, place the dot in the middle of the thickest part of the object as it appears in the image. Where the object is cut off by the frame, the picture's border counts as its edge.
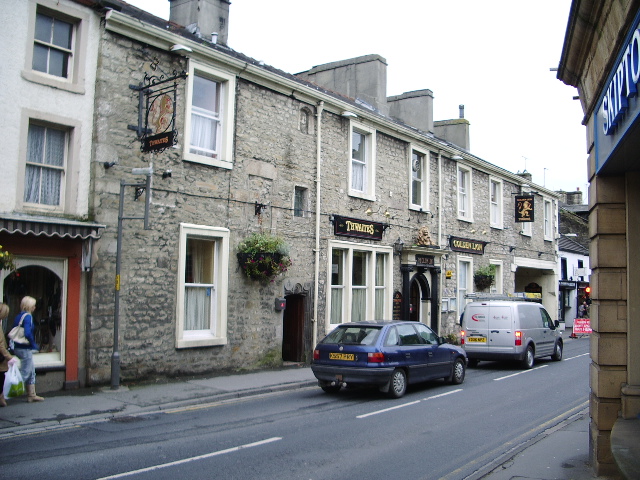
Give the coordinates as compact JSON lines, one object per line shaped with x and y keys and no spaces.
{"x":440,"y":198}
{"x":316,"y":287}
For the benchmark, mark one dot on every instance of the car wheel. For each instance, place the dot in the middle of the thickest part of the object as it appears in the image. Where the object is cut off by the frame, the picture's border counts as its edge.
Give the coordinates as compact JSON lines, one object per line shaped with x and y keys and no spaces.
{"x":527,"y":361}
{"x":457,"y":375}
{"x":398,"y":384}
{"x":473,"y":362}
{"x":557,"y":352}
{"x":328,"y":388}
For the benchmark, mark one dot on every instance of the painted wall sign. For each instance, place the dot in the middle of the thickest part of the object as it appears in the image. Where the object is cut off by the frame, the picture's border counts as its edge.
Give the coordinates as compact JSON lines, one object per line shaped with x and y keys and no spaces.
{"x":397,"y":306}
{"x":425,"y":260}
{"x":353,"y":227}
{"x":525,"y":208}
{"x":466,"y":245}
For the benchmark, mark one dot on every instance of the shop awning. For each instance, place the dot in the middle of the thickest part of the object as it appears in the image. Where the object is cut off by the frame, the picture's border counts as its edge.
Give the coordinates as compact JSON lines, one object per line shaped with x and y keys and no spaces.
{"x":49,"y":226}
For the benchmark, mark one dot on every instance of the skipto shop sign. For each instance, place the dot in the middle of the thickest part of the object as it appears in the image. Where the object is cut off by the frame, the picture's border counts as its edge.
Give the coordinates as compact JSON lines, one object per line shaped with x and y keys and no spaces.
{"x":622,"y":86}
{"x":617,"y":121}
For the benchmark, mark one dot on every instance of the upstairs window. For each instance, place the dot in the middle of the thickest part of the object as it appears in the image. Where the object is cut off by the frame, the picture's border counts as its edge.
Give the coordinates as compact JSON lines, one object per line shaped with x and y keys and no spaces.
{"x":52,"y":49}
{"x":465,"y":193}
{"x":45,"y":165}
{"x":495,"y":203}
{"x":419,"y":180}
{"x":209,"y":119}
{"x":362,"y":162}
{"x":548,"y":220}
{"x":300,"y":202}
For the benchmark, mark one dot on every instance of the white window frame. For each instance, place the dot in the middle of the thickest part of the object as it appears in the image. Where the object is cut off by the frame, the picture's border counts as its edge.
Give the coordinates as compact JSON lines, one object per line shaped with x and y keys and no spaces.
{"x":216,"y":334}
{"x":227,"y":106}
{"x":347,"y":288}
{"x":423,"y":204}
{"x":548,"y":219}
{"x":526,"y":229}
{"x":72,"y":156}
{"x":74,"y":82}
{"x":468,"y":287}
{"x":496,"y":206}
{"x":465,"y":197}
{"x":497,"y":286}
{"x":369,"y":191}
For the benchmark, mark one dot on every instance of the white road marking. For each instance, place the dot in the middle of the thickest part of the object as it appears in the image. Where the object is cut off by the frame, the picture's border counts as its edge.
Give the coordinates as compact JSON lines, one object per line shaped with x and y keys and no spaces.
{"x":577,"y":356}
{"x":365,"y":415}
{"x":520,"y":373}
{"x":193,"y":459}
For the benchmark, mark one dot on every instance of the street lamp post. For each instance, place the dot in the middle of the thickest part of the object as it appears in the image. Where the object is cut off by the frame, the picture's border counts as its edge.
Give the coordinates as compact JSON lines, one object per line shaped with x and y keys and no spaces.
{"x":115,"y":357}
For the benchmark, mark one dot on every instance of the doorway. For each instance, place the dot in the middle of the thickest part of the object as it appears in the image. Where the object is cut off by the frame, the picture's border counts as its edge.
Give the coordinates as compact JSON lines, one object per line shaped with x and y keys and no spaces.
{"x":41,"y":279}
{"x":420,"y":300}
{"x":293,"y":329}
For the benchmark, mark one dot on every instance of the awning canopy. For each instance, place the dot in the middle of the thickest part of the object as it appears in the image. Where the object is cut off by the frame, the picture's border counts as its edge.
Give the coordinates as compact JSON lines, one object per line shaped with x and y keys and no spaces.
{"x":49,"y":226}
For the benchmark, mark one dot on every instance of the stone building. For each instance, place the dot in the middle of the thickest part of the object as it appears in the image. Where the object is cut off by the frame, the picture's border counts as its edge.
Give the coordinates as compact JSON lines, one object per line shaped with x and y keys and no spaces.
{"x":385,"y":211}
{"x":600,"y":59}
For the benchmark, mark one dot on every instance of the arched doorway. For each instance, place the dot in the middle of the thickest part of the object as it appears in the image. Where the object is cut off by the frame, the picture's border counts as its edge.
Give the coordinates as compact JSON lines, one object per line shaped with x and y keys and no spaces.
{"x":42,"y":279}
{"x":420,"y":299}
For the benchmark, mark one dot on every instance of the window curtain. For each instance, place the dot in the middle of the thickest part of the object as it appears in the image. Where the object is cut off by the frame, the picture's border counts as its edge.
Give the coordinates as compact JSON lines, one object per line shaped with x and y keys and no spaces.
{"x":359,"y":288}
{"x":45,"y":161}
{"x":380,"y":287}
{"x":197,"y":297}
{"x":336,"y":304}
{"x":358,"y":162}
{"x":204,"y":132}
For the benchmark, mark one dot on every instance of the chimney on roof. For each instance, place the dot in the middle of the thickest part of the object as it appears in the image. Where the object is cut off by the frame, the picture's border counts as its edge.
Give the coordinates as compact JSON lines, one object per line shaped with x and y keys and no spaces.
{"x":210,"y":16}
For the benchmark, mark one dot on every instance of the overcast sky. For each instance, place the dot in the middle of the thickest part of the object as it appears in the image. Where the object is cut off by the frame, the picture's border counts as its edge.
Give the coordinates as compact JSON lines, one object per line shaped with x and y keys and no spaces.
{"x":492,"y":56}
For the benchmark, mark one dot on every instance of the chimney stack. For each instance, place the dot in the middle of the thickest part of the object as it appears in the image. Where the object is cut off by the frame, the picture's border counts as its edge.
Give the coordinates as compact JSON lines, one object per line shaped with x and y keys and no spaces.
{"x":208,"y":18}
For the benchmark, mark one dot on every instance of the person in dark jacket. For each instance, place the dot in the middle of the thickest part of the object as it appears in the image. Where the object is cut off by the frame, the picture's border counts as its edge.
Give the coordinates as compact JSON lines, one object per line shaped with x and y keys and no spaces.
{"x":24,"y":351}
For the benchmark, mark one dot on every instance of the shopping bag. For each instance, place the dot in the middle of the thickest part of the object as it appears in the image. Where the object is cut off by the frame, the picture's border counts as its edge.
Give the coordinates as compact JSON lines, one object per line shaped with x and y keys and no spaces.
{"x":13,"y":384}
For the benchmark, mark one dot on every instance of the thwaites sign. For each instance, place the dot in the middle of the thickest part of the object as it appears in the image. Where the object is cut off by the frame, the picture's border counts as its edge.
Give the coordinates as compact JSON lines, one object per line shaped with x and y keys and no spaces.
{"x":353,"y":227}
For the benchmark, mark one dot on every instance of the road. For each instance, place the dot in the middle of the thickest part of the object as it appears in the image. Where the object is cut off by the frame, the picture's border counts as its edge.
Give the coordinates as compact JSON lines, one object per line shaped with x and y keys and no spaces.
{"x":435,"y":431}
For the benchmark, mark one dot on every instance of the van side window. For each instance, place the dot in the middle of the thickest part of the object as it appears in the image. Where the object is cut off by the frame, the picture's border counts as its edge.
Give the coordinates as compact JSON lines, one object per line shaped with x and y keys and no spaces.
{"x":546,"y":319}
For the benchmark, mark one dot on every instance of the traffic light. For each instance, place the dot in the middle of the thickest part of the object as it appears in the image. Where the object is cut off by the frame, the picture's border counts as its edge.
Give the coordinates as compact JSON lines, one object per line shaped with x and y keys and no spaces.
{"x":587,"y":294}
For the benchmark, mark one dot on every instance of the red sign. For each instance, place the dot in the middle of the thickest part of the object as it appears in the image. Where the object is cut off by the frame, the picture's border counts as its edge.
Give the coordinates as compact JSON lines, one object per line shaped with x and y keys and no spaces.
{"x":582,"y":326}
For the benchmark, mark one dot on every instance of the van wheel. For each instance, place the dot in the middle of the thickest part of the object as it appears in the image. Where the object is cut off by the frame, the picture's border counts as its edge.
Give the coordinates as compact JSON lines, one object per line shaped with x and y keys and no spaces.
{"x":398,"y":384}
{"x":457,"y":375}
{"x":557,"y":352}
{"x":527,"y":361}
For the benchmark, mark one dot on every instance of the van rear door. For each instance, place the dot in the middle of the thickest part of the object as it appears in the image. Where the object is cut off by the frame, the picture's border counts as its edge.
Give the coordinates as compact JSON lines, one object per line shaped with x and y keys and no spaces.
{"x":500,"y":329}
{"x":475,"y":323}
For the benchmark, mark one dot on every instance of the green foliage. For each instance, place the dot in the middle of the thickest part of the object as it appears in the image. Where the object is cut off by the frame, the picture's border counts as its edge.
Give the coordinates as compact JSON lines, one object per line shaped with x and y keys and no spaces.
{"x":263,"y":256}
{"x":271,"y":359}
{"x":6,"y":261}
{"x":487,"y":270}
{"x":263,"y":243}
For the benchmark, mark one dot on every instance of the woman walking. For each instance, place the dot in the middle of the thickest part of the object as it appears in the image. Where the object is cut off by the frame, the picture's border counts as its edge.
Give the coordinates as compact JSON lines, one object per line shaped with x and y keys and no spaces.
{"x":24,"y":351}
{"x":4,"y":352}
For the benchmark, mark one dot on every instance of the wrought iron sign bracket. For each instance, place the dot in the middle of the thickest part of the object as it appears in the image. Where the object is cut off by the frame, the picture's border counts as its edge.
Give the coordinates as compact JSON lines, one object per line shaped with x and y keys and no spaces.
{"x":157,"y":111}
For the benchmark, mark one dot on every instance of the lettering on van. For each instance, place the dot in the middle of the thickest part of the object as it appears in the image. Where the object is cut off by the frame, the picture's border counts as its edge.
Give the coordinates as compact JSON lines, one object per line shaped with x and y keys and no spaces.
{"x":478,"y":317}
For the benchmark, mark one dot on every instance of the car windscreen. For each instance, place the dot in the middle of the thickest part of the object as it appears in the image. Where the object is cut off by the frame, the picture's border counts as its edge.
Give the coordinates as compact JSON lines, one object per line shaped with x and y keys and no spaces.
{"x":360,"y":335}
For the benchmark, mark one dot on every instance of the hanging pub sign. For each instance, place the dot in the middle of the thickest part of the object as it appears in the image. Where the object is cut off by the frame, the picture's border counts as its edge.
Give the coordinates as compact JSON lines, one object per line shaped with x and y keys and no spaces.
{"x":352,"y":227}
{"x":466,"y":245}
{"x":157,"y":111}
{"x":524,"y":208}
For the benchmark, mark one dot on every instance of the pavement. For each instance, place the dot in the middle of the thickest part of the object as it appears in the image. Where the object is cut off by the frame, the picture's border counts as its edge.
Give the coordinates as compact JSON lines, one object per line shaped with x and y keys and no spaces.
{"x":560,"y":452}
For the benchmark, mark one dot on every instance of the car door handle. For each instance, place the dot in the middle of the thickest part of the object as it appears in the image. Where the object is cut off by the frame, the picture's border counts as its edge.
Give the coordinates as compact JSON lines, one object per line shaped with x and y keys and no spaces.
{"x":495,"y":331}
{"x":408,"y":355}
{"x":431,"y":354}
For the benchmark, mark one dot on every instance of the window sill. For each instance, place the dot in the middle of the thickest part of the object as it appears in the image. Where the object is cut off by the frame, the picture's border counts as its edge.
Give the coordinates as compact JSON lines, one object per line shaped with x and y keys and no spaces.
{"x":212,"y":162}
{"x":364,"y":196}
{"x":52,"y":81}
{"x":201,"y":342}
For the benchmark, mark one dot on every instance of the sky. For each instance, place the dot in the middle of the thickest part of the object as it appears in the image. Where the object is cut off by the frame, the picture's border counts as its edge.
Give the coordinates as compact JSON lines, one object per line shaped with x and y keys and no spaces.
{"x":492,"y":56}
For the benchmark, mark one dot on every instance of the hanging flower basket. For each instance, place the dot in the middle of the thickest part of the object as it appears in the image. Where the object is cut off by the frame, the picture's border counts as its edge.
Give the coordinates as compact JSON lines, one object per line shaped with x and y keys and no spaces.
{"x":263,"y":256}
{"x":483,"y":281}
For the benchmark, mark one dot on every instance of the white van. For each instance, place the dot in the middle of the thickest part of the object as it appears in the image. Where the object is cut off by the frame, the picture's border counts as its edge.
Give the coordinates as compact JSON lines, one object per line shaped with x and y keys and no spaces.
{"x":509,"y":330}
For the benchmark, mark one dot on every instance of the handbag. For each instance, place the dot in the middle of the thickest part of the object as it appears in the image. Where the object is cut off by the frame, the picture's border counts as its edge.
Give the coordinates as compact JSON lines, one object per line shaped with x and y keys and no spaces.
{"x":17,"y":333}
{"x":13,"y":383}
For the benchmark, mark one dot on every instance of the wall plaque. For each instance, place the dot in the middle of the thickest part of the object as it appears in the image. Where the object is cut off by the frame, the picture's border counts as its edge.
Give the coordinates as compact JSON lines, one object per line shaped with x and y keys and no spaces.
{"x":353,"y":227}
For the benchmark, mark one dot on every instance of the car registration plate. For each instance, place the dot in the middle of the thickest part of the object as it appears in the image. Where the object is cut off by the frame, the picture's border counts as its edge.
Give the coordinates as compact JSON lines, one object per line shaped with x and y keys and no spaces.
{"x":477,"y":340}
{"x":342,"y":356}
